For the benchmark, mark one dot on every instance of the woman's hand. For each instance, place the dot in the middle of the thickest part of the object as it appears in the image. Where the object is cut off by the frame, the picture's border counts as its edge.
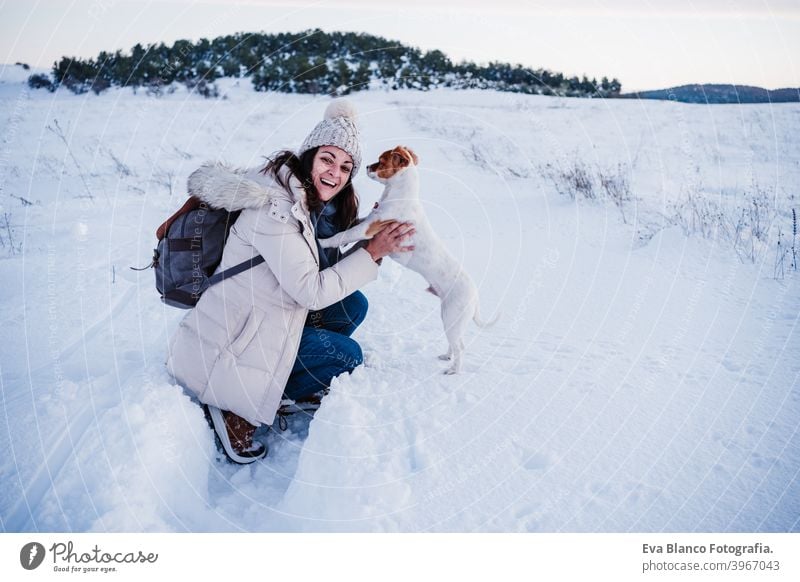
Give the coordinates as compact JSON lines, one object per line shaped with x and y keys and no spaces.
{"x":390,"y":239}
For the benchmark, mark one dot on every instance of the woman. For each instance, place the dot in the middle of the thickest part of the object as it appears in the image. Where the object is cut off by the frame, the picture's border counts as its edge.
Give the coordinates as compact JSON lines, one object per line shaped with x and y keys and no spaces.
{"x":284,"y":325}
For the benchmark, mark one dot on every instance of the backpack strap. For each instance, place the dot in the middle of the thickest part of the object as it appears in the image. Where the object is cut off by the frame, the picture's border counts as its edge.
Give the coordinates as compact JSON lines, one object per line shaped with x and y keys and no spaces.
{"x":235,"y":270}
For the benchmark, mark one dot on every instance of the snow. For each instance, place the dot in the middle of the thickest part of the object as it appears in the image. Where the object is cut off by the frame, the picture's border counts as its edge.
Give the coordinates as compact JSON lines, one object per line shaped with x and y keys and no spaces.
{"x":16,"y":75}
{"x":638,"y":379}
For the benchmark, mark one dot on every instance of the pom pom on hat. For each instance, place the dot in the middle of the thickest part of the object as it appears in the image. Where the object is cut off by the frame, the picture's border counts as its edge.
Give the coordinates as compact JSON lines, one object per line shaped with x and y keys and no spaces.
{"x":338,"y":128}
{"x":341,"y":108}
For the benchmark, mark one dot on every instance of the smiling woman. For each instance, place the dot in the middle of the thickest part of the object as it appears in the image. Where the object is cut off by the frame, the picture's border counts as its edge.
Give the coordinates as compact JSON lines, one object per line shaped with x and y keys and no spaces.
{"x":281,"y":329}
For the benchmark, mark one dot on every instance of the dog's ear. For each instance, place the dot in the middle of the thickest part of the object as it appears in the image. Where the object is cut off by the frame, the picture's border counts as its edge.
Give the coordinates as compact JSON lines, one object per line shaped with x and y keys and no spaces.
{"x":414,"y":157}
{"x":399,"y":159}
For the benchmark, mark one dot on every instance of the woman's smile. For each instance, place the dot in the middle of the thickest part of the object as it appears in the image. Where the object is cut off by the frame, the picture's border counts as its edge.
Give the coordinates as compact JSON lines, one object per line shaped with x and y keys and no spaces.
{"x":330,"y":171}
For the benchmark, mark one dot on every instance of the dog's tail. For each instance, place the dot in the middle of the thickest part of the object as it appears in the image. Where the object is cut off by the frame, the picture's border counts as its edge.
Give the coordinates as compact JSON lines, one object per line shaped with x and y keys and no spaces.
{"x":484,"y":324}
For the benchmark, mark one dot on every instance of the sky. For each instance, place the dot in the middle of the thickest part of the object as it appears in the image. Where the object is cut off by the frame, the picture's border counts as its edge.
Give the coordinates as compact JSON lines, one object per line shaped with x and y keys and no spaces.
{"x":644,"y":44}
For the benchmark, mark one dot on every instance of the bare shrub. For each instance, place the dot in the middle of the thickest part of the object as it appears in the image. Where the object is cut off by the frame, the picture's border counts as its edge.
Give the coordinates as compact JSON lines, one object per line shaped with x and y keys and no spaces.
{"x":780,"y":256}
{"x":122,"y":169}
{"x":56,"y":129}
{"x":696,"y":214}
{"x":616,"y":187}
{"x":7,"y":236}
{"x":579,"y":181}
{"x":746,"y":220}
{"x":794,"y":239}
{"x":165,"y":178}
{"x":755,"y":219}
{"x":786,"y":250}
{"x":574,"y":181}
{"x":746,"y":224}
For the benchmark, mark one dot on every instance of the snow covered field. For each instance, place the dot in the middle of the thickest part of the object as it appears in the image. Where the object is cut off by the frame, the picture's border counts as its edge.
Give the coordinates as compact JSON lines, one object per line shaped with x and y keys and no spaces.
{"x":639,"y":379}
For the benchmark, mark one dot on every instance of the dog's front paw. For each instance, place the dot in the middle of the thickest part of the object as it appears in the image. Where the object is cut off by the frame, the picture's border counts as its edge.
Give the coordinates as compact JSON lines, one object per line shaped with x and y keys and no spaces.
{"x":376,"y":226}
{"x":446,"y":357}
{"x":450,"y":372}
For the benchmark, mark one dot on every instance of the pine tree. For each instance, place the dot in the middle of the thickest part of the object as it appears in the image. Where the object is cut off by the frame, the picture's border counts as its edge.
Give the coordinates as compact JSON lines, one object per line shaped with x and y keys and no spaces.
{"x":309,"y":62}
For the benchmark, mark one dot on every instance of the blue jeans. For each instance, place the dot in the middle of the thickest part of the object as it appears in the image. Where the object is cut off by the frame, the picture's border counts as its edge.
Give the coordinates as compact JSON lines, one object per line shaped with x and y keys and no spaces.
{"x":326,"y":349}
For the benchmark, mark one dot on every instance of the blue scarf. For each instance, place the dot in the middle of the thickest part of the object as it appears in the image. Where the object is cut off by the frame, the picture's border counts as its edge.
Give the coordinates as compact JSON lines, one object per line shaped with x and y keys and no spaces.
{"x":325,"y":227}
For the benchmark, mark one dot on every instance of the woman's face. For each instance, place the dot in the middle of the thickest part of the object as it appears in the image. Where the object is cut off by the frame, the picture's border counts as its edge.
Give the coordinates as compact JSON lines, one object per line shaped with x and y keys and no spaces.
{"x":330,"y":171}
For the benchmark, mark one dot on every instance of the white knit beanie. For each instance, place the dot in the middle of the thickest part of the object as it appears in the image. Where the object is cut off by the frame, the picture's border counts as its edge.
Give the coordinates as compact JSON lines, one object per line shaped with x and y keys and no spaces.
{"x":338,"y":128}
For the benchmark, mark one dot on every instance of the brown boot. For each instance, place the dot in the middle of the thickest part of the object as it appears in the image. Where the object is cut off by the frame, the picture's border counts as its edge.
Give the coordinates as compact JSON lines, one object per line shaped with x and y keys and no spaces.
{"x":235,"y":435}
{"x":239,"y":431}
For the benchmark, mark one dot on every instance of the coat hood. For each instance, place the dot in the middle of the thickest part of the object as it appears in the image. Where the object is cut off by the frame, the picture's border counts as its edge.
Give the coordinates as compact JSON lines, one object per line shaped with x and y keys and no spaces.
{"x":223,"y":186}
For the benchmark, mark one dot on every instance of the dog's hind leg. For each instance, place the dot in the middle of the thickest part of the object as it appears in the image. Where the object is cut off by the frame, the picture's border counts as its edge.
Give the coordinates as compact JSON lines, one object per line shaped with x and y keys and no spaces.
{"x":449,"y":355}
{"x":455,"y":320}
{"x":455,"y":367}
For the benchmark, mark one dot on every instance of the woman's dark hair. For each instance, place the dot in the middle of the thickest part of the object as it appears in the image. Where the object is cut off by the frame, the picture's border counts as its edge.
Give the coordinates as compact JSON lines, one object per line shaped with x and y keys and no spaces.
{"x":300,"y":168}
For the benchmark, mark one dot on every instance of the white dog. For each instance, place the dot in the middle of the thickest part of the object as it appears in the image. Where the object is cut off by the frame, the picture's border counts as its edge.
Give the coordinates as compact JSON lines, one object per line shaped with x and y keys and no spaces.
{"x":400,"y":202}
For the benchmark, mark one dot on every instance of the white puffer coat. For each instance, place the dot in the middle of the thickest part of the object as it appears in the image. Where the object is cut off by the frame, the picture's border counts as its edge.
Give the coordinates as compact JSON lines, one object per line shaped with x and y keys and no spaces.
{"x":236,"y":348}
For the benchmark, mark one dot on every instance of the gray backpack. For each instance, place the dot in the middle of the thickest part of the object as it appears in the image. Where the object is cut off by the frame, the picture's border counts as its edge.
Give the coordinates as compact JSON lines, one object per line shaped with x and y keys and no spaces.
{"x":190,"y":245}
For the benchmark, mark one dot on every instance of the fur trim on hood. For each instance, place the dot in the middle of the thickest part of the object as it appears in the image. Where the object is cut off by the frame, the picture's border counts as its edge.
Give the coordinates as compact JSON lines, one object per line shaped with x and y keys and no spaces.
{"x":222,"y":186}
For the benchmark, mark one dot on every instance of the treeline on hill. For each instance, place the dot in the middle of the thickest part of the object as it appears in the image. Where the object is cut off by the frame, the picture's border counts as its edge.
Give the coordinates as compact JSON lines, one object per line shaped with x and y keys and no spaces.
{"x":717,"y":93}
{"x":309,"y":62}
